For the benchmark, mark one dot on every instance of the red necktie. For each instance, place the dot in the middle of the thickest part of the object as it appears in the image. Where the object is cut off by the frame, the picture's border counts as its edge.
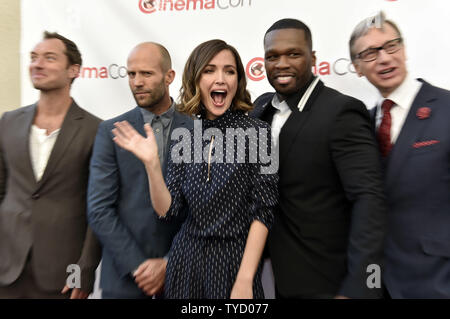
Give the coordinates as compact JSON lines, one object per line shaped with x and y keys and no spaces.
{"x":384,"y":131}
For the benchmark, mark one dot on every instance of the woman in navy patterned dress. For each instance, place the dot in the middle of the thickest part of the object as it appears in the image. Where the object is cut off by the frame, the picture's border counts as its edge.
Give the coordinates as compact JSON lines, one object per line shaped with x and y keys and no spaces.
{"x":230,"y":193}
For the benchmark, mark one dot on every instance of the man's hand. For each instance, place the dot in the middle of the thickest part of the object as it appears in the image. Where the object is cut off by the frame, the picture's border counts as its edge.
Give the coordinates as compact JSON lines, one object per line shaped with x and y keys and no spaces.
{"x":77,"y":293}
{"x":341,"y":297}
{"x":150,"y":275}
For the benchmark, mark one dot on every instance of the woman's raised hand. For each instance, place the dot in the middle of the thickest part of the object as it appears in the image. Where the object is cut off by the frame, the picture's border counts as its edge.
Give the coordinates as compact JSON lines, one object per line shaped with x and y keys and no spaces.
{"x":145,"y":148}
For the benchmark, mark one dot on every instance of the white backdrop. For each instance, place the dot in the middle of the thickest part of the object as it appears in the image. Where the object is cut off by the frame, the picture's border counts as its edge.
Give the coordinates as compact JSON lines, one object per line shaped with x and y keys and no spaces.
{"x":106,"y":31}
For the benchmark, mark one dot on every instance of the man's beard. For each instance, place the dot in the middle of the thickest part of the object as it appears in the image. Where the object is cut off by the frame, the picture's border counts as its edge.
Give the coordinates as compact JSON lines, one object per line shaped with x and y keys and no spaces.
{"x":155,"y":97}
{"x":46,"y":87}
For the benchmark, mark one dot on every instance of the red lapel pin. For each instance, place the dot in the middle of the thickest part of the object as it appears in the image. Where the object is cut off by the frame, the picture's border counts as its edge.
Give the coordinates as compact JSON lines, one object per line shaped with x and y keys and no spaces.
{"x":423,"y":113}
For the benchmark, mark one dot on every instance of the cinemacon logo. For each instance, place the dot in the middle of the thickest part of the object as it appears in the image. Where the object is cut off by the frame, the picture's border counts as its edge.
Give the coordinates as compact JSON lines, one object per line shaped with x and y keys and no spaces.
{"x":255,"y":68}
{"x":113,"y":71}
{"x":151,"y":6}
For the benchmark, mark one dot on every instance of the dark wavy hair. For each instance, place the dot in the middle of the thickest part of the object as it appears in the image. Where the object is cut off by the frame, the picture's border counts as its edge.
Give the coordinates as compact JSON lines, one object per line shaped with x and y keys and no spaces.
{"x":190,"y":97}
{"x":72,"y":52}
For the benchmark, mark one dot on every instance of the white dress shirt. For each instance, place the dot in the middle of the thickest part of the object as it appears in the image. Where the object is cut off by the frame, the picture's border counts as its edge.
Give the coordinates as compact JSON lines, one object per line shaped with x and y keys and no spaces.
{"x":279,"y":118}
{"x":284,"y":111}
{"x":41,"y":146}
{"x":403,"y":97}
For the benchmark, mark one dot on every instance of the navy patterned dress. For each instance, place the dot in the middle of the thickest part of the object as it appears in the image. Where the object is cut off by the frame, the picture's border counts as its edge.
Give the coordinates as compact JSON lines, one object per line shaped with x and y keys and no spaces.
{"x":206,"y":253}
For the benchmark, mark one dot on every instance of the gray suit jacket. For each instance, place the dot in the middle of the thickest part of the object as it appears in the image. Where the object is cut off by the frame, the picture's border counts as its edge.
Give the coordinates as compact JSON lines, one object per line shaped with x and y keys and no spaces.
{"x":46,"y":217}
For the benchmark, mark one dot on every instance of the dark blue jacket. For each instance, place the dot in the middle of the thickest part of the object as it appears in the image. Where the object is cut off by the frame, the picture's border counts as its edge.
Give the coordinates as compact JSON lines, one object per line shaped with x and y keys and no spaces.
{"x":417,"y":178}
{"x":120,"y":210}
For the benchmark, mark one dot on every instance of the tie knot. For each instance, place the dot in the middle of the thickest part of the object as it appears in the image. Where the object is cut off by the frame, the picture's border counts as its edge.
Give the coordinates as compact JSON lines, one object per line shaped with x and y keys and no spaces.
{"x":387,"y":105}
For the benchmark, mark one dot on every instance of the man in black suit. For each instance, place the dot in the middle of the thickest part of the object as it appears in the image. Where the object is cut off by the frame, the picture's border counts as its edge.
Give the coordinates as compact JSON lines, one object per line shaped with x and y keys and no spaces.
{"x":329,"y":230}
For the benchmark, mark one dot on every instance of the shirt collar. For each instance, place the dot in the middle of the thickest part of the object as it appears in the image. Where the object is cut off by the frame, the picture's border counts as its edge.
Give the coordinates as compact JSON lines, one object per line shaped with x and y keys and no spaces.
{"x":293,"y":100}
{"x":279,"y":105}
{"x":165,"y":118}
{"x":404,"y":95}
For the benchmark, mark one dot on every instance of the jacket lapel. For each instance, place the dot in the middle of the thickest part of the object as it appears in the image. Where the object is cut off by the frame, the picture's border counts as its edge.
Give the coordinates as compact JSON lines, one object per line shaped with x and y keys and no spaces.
{"x":295,"y":123}
{"x":137,"y":120}
{"x":410,"y":133}
{"x":23,"y":140}
{"x":373,"y":116}
{"x":69,"y":129}
{"x":179,"y":120}
{"x":263,"y":108}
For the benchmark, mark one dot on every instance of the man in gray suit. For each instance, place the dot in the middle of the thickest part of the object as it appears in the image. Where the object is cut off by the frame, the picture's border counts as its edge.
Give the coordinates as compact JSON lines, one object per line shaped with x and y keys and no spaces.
{"x":120,"y":212}
{"x":46,"y":247}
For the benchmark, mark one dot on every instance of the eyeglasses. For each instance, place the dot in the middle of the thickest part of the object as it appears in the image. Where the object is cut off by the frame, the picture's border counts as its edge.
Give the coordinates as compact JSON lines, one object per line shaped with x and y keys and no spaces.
{"x":371,"y":54}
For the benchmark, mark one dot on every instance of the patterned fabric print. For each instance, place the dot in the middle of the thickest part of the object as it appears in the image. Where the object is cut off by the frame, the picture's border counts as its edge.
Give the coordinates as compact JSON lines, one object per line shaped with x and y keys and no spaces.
{"x":384,"y":131}
{"x":207,"y":252}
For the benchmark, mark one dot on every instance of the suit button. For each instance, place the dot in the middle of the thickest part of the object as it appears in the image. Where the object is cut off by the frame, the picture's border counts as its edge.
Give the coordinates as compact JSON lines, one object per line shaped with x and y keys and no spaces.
{"x":35,"y":196}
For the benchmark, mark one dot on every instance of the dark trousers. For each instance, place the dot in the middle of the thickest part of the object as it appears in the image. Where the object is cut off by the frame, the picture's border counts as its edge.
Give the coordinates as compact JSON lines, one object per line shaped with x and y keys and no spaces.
{"x":386,"y":294}
{"x":113,"y":295}
{"x":318,"y":296}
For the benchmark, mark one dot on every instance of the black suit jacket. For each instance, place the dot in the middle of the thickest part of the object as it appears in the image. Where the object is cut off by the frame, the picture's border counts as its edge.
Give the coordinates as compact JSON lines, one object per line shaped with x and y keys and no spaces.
{"x":331,"y":220}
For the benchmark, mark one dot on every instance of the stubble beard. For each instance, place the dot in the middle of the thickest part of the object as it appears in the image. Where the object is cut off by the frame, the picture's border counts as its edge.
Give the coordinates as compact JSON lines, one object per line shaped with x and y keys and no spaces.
{"x":155,"y":97}
{"x":46,"y":88}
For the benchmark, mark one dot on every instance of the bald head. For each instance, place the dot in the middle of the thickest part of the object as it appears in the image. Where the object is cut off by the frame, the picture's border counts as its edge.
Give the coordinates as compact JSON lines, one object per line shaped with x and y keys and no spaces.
{"x":149,"y":76}
{"x":153,"y":51}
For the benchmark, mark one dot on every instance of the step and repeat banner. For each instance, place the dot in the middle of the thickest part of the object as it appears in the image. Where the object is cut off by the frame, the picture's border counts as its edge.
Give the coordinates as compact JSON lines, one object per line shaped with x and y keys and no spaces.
{"x":106,"y":31}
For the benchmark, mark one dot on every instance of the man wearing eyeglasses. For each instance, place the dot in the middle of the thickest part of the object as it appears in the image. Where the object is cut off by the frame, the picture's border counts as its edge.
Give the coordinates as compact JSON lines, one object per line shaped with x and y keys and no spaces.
{"x":412,"y":124}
